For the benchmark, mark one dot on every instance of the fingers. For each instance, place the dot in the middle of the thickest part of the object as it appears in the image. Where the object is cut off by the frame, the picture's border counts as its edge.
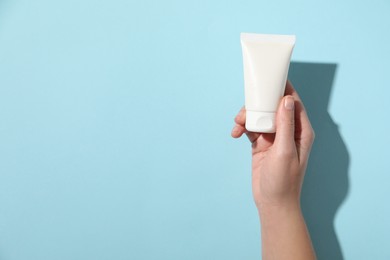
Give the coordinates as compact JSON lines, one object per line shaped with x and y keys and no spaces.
{"x":239,"y":129}
{"x":304,"y":134}
{"x":241,"y":117}
{"x":294,"y":133}
{"x":285,"y":125}
{"x":302,"y":120}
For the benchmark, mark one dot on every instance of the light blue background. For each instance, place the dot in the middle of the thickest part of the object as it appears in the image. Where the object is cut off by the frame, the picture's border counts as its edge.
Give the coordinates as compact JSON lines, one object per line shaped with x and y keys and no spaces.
{"x":115,"y":121}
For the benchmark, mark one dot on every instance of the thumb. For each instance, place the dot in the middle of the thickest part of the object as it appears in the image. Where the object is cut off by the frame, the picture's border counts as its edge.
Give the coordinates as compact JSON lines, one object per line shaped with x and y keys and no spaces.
{"x":285,"y":125}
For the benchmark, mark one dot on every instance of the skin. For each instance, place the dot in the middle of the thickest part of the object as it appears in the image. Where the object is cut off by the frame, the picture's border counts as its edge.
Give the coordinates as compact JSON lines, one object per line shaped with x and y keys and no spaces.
{"x":279,"y":163}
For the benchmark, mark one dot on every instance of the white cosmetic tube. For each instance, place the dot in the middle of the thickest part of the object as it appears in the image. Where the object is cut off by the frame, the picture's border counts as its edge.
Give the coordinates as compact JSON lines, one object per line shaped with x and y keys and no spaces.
{"x":266,"y":61}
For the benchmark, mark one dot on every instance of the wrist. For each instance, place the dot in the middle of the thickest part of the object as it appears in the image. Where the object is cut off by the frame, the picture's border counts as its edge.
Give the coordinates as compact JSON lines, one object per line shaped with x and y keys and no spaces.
{"x":278,"y":212}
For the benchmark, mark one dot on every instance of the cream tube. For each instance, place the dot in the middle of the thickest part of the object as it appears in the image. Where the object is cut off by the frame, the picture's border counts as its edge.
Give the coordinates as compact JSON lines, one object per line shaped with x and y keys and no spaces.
{"x":266,"y":62}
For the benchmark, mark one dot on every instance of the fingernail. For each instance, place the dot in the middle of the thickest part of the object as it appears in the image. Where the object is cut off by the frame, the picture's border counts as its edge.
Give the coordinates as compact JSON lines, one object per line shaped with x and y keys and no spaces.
{"x":289,"y":103}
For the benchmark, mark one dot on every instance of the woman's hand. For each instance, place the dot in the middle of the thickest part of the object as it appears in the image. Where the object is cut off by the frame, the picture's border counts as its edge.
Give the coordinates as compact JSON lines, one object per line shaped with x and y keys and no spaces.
{"x":278,"y":166}
{"x":279,"y":160}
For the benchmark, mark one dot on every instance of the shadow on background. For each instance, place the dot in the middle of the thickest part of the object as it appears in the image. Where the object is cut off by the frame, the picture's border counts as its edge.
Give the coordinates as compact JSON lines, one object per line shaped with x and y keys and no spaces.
{"x":326,"y":181}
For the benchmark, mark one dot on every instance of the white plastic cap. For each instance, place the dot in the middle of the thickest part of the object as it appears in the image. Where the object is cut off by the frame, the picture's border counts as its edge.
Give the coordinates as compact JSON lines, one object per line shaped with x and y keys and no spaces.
{"x":261,"y":122}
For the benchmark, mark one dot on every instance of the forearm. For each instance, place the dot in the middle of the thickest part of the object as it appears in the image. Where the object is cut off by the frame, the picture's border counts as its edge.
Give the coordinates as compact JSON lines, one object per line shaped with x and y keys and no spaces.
{"x":284,"y":234}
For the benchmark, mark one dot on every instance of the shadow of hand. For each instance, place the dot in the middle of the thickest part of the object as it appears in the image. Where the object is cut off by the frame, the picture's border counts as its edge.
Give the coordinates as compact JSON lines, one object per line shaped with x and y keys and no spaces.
{"x":326,"y":181}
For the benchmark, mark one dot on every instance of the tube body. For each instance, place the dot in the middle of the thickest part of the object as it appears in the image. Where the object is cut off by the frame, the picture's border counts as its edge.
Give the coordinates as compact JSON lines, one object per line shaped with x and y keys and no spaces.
{"x":266,"y":61}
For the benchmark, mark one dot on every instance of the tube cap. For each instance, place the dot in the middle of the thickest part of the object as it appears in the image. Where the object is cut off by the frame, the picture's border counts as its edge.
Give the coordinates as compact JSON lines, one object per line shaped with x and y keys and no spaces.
{"x":261,"y":122}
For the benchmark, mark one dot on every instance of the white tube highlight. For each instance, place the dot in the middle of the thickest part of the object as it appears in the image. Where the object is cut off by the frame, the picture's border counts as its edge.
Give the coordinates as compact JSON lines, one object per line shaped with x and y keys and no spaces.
{"x":266,"y":61}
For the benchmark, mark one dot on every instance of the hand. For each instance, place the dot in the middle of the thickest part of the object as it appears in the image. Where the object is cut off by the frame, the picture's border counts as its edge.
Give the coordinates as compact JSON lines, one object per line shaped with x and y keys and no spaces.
{"x":278,"y":166}
{"x":279,"y":160}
